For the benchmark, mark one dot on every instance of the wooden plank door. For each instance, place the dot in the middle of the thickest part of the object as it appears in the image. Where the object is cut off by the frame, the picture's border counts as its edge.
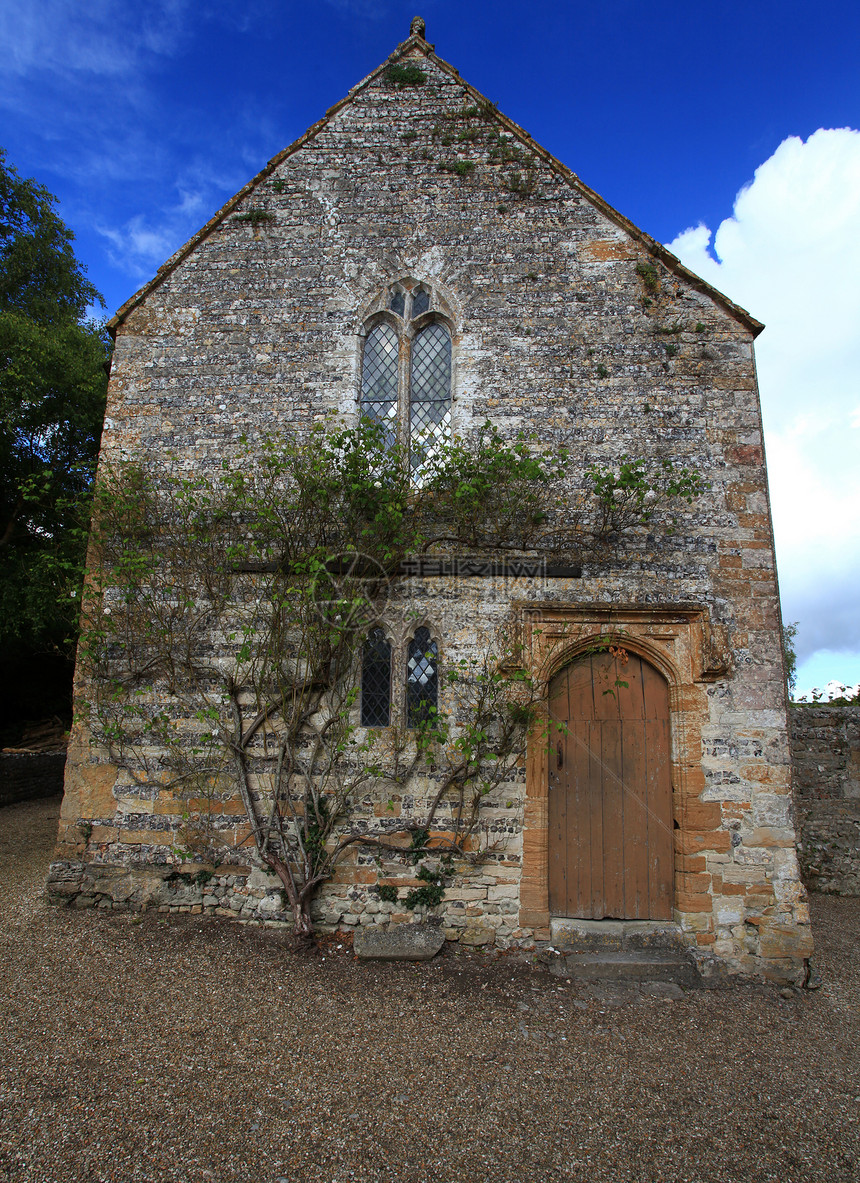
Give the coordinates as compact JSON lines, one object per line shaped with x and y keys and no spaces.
{"x":610,"y":791}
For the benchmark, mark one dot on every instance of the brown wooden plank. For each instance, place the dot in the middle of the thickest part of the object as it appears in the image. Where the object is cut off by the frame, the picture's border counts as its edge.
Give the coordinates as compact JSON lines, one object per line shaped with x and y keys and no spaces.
{"x":612,"y":791}
{"x":631,"y":701}
{"x":603,"y":682}
{"x":580,"y":857}
{"x":557,"y":804}
{"x":579,"y":700}
{"x":634,"y":856}
{"x":635,"y":849}
{"x":656,"y":693}
{"x":590,"y":805}
{"x":592,"y":810}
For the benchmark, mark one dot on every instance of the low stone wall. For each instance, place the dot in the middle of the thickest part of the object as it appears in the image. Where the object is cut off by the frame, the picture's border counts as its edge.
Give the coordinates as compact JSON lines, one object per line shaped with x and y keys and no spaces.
{"x":250,"y":894}
{"x":830,"y":845}
{"x":26,"y":776}
{"x":825,"y":743}
{"x":241,"y":892}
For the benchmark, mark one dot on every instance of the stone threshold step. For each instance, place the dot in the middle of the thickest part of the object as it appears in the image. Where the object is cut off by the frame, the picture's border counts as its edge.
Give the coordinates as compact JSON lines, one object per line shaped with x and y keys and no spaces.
{"x":651,"y":965}
{"x":572,"y":935}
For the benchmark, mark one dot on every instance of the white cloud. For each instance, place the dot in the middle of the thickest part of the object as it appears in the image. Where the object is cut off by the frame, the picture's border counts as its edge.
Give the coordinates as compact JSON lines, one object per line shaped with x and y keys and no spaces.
{"x":97,"y":38}
{"x":790,"y":254}
{"x":140,"y":244}
{"x":138,"y":248}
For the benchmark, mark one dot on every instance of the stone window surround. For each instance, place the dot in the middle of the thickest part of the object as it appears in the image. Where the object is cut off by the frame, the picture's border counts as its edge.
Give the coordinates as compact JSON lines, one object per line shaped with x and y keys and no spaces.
{"x":399,"y":640}
{"x":682,"y":643}
{"x":377,"y":312}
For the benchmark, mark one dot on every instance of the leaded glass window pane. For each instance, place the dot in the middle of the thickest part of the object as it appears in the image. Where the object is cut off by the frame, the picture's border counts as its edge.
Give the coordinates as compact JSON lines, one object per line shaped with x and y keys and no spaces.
{"x":376,"y":680}
{"x":379,"y":380}
{"x":430,"y":393}
{"x":420,"y":302}
{"x":422,"y":678}
{"x":397,"y":303}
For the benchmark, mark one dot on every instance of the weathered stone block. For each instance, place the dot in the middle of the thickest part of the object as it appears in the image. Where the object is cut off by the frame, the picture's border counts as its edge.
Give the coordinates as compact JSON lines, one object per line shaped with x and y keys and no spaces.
{"x":477,"y":935}
{"x":400,"y":942}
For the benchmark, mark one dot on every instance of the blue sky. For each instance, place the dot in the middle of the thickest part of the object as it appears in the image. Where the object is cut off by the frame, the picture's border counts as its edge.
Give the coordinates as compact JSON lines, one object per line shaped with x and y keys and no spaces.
{"x":144,"y":119}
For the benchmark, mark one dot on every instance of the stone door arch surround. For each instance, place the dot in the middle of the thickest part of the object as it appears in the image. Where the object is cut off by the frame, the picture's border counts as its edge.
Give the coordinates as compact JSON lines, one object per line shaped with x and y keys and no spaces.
{"x":688,"y":650}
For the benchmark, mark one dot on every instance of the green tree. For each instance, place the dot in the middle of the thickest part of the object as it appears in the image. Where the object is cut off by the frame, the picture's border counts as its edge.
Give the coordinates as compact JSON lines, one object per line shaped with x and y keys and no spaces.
{"x":789,"y":632}
{"x":53,"y":379}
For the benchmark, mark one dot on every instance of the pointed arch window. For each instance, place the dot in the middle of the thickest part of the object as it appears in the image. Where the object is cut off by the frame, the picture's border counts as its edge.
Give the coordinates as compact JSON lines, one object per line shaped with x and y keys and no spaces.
{"x":406,"y":372}
{"x":376,"y":680}
{"x":379,"y":374}
{"x":422,"y":678}
{"x":429,"y":393}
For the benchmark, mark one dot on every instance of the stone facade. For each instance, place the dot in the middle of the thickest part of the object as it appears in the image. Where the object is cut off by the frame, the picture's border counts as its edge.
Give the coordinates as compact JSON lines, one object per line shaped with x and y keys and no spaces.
{"x":825,"y":744}
{"x":566,"y":321}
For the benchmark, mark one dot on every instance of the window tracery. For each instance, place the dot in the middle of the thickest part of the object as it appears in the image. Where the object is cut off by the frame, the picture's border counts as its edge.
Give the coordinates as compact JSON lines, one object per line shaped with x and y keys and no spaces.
{"x":422,"y":678}
{"x":406,"y":371}
{"x":376,"y":680}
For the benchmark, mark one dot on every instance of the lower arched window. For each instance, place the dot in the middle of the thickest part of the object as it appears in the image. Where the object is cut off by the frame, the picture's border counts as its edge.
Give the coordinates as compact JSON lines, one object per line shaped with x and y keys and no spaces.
{"x":422,"y":678}
{"x":376,"y":680}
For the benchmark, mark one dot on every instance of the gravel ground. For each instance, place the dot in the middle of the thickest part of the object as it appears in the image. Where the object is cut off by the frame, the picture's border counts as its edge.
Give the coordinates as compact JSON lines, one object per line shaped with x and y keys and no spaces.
{"x":186,"y":1049}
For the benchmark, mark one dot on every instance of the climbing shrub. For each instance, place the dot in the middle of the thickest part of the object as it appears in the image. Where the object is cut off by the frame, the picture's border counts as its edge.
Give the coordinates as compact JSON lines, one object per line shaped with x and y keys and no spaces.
{"x":225,"y":614}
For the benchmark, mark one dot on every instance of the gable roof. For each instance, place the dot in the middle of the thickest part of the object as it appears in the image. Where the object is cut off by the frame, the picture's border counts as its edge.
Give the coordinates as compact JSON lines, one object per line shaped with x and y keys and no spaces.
{"x":416,"y":44}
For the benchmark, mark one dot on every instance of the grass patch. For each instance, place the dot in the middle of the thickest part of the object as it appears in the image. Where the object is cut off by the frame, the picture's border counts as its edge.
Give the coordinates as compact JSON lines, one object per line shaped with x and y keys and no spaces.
{"x":462,"y":168}
{"x":649,"y":275}
{"x":402,"y":76}
{"x":255,"y":217}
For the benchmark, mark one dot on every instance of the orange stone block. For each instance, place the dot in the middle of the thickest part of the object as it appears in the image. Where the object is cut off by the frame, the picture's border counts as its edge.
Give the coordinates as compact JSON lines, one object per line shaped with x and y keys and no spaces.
{"x":698,"y":815}
{"x":692,"y":884}
{"x":148,"y":837}
{"x":441,"y":838}
{"x":694,"y":842}
{"x":786,"y":941}
{"x":764,"y":836}
{"x":705,"y":938}
{"x":764,"y":774}
{"x":101,"y":834}
{"x":691,"y":698}
{"x":353,"y":875}
{"x":694,"y":903}
{"x":693,"y":781}
{"x":171,"y":806}
{"x":603,"y":249}
{"x":533,"y":919}
{"x":232,"y":805}
{"x":690,"y":862}
{"x":749,"y":521}
{"x":89,"y":787}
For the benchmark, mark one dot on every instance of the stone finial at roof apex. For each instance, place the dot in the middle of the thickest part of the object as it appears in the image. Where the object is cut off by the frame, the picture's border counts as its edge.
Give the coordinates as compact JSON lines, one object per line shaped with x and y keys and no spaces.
{"x":418,"y":28}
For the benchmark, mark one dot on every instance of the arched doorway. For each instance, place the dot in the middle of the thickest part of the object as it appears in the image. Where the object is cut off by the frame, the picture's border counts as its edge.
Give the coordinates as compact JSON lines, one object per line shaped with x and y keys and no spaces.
{"x":610,"y":790}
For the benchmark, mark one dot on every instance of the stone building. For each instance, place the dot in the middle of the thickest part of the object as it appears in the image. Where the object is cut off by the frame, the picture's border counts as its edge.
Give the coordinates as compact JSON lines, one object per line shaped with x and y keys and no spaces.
{"x":415,"y":217}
